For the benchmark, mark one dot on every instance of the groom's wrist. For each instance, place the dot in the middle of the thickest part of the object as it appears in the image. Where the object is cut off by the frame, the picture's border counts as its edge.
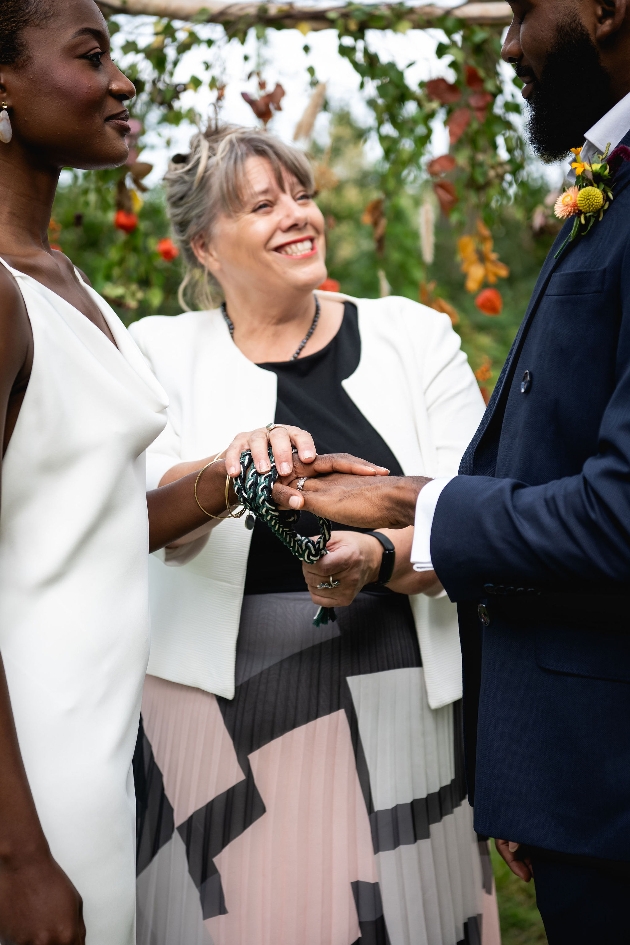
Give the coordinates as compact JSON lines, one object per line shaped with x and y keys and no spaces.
{"x":404,"y":498}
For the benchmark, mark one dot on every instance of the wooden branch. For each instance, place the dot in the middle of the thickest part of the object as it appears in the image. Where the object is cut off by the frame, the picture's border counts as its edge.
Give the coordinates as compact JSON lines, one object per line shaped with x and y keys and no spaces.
{"x":293,"y":14}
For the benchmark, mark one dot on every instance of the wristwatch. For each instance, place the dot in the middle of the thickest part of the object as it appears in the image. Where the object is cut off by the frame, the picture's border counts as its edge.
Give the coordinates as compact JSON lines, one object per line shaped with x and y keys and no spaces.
{"x":389,"y":558}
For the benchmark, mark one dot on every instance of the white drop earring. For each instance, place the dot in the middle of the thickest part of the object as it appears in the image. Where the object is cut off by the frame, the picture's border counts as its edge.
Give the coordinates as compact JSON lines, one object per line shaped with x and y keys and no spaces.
{"x":6,"y":131}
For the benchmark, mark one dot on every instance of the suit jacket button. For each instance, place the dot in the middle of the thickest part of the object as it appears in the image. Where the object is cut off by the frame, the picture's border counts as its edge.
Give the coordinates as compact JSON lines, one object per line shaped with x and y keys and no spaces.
{"x":484,"y":616}
{"x":526,"y":382}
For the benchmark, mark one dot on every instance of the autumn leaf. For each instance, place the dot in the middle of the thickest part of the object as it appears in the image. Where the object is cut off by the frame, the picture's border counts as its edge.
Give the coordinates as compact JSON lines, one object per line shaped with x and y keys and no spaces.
{"x":443,"y":92}
{"x":435,"y":302}
{"x":479,"y":102}
{"x":457,"y":123}
{"x":441,"y":165}
{"x":473,"y":79}
{"x":446,"y":194}
{"x":265,"y":106}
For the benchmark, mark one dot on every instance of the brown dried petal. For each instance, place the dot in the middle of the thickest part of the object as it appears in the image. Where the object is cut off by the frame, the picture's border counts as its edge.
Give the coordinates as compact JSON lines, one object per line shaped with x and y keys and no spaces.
{"x":457,"y":123}
{"x":473,"y":79}
{"x":443,"y":92}
{"x":441,"y":165}
{"x":446,"y":195}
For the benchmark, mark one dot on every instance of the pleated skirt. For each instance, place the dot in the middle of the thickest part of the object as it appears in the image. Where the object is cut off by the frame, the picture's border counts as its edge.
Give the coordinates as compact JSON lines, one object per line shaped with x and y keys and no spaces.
{"x":324,"y":805}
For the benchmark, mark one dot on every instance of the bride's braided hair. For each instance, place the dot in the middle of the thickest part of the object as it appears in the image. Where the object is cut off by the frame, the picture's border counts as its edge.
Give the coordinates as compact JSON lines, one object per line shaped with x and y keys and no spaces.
{"x":209,"y":181}
{"x":15,"y":16}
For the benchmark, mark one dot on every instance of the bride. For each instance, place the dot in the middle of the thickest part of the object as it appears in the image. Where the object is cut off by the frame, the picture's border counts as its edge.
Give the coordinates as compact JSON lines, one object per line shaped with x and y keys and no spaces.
{"x":78,"y":409}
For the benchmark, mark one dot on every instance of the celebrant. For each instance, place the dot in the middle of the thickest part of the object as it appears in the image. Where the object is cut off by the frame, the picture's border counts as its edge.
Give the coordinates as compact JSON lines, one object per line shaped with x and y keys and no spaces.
{"x":280,"y":762}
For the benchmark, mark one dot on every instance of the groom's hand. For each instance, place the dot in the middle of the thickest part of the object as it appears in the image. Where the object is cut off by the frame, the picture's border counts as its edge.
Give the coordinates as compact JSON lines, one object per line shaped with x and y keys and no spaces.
{"x":520,"y":866}
{"x":365,"y":501}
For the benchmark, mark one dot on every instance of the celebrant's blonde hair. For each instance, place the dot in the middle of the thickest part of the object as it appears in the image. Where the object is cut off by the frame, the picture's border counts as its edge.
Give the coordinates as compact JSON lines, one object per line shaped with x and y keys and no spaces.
{"x":211,"y":180}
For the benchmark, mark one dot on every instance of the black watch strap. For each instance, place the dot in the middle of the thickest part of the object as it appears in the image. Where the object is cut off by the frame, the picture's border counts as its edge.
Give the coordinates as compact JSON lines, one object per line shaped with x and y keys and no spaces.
{"x":389,"y":558}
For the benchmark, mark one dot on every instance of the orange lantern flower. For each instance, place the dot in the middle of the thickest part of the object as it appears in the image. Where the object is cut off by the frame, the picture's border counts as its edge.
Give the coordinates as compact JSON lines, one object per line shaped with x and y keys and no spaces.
{"x":127,"y":222}
{"x":167,"y":250}
{"x":490,"y":302}
{"x":329,"y":285}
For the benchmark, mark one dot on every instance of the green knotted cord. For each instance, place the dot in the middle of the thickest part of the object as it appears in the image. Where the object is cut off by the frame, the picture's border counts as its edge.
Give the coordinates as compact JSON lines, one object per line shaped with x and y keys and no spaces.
{"x":254,"y":491}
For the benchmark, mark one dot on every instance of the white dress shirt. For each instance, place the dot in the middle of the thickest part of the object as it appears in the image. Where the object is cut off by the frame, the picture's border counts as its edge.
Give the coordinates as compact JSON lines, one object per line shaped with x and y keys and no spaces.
{"x":609,"y":130}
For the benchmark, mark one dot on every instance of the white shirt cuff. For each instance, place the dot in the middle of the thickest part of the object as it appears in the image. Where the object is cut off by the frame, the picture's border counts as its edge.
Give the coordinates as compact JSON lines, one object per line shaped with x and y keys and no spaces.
{"x":425,"y":510}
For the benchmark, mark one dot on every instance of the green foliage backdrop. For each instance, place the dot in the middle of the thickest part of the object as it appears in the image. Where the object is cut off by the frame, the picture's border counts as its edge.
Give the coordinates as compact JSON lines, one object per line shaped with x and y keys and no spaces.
{"x":372,"y":209}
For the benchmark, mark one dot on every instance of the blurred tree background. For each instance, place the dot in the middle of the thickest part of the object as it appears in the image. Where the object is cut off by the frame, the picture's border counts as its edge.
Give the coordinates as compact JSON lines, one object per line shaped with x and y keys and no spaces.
{"x":464,"y":231}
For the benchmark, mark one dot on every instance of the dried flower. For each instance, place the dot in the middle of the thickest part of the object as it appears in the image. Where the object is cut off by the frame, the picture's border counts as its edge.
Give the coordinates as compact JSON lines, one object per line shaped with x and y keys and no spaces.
{"x":428,"y":298}
{"x":426,"y":221}
{"x":304,"y":127}
{"x":457,"y":123}
{"x":167,"y":250}
{"x":443,"y":92}
{"x":490,"y":302}
{"x":590,"y":200}
{"x":567,"y":204}
{"x":579,"y":167}
{"x":265,"y":106}
{"x":127,"y":222}
{"x":484,"y":372}
{"x":446,"y":193}
{"x":441,"y":165}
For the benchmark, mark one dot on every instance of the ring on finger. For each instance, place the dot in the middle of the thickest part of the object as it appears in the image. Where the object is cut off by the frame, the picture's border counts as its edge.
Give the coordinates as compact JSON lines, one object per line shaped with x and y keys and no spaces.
{"x":301,"y":483}
{"x":274,"y":426}
{"x":328,"y":585}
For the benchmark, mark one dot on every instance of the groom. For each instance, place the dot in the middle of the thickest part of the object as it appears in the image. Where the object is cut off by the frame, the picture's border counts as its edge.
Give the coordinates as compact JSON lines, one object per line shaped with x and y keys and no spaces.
{"x":532,"y":539}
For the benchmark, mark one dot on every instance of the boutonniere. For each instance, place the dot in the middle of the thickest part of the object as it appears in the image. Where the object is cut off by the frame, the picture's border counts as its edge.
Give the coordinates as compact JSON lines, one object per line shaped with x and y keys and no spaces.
{"x":591,"y":195}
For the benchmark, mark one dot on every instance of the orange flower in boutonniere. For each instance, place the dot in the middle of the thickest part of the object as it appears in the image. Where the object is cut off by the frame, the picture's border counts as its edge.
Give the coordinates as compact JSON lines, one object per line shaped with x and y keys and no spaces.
{"x":591,"y":195}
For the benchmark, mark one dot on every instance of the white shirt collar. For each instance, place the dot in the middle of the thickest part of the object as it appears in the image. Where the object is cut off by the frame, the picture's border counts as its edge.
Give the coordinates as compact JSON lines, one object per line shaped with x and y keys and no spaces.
{"x":610,"y":129}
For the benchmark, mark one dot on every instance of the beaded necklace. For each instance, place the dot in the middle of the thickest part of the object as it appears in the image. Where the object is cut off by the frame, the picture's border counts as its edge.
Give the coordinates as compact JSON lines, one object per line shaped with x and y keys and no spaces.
{"x":304,"y":341}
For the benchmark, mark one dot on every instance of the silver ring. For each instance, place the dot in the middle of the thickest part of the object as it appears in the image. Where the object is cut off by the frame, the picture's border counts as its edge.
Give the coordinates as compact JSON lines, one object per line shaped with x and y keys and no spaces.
{"x":274,"y":426}
{"x":301,"y":483}
{"x":328,"y":585}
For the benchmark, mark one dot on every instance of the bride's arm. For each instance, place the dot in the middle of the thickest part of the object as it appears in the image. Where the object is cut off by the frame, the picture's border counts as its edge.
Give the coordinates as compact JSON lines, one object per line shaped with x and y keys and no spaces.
{"x":174,"y":512}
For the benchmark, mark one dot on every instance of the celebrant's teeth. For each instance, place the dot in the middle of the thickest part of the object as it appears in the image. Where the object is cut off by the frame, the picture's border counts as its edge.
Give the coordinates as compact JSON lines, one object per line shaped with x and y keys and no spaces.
{"x":297,"y":249}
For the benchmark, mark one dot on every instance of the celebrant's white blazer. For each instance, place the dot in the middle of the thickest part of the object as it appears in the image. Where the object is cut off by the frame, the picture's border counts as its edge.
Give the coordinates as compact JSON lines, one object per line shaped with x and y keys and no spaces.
{"x":413,"y":384}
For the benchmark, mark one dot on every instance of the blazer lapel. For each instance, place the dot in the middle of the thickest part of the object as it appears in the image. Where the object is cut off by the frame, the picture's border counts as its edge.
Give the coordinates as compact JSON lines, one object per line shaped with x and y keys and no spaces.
{"x":499,"y":395}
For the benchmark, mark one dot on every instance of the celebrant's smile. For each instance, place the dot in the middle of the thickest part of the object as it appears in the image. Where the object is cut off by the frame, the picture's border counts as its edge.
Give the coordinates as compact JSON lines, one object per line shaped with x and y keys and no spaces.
{"x":298,"y":249}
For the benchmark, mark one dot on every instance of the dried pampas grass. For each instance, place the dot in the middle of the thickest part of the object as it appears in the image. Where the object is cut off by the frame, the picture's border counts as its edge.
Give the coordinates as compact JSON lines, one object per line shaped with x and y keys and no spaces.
{"x":304,"y":127}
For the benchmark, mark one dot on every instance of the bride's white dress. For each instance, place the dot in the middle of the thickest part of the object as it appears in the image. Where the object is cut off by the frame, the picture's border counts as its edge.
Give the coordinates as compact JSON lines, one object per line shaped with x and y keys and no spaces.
{"x":73,"y":593}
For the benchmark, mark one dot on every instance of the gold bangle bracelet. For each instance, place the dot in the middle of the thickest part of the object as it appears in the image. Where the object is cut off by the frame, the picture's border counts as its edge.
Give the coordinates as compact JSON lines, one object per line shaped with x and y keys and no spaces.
{"x":217,"y":459}
{"x":241,"y":511}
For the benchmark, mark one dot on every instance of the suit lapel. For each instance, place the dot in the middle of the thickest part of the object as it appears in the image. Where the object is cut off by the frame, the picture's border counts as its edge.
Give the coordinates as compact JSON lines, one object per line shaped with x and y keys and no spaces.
{"x":499,"y":395}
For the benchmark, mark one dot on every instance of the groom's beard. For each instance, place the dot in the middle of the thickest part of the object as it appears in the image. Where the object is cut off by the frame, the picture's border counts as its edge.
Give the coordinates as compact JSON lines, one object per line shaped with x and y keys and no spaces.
{"x":572,"y":93}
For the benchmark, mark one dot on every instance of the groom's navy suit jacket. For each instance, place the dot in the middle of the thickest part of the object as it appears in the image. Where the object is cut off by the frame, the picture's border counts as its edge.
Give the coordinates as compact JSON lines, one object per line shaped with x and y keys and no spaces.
{"x":533,"y":539}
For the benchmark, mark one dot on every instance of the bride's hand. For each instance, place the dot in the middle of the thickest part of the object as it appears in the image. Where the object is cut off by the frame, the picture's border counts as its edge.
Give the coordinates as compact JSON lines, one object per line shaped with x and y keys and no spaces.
{"x":282,"y":438}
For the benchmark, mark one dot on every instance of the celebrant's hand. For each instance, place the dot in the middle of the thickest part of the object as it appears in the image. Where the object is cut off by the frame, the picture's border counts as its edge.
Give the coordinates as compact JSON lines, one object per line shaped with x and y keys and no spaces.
{"x":282,"y":439}
{"x":353,"y":560}
{"x":366,"y":501}
{"x":520,"y":866}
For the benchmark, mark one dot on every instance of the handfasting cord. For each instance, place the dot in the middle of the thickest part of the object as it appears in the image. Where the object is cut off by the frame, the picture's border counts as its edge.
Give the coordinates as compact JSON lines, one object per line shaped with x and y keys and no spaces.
{"x":254,"y":491}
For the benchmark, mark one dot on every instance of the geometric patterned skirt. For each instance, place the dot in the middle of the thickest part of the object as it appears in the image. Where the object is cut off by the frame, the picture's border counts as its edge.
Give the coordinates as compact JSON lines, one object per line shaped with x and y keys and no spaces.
{"x":323,"y":805}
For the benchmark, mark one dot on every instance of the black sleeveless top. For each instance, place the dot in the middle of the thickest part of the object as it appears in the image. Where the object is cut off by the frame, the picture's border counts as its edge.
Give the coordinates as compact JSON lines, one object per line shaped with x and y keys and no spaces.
{"x":310,"y":396}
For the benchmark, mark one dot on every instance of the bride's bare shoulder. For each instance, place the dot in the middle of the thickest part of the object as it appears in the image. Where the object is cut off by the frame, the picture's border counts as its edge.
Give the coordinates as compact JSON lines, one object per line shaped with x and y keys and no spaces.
{"x":15,"y":330}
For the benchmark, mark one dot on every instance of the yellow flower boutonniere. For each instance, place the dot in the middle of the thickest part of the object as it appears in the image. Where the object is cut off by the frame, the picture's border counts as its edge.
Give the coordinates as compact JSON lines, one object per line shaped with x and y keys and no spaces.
{"x":591,"y":195}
